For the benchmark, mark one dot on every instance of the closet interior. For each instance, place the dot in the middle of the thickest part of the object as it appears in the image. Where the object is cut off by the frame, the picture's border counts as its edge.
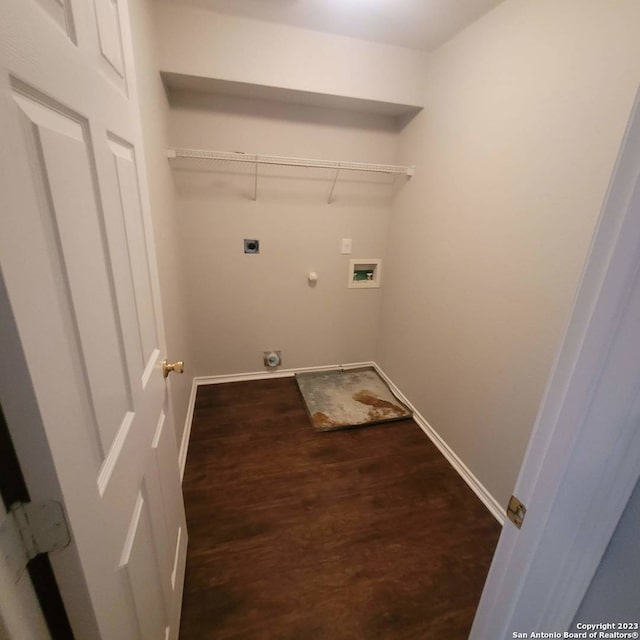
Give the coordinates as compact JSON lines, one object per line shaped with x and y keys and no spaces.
{"x":472,"y":174}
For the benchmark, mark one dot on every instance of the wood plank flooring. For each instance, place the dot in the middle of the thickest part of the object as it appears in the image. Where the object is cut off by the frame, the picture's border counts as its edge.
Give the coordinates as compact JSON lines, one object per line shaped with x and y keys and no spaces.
{"x":359,"y":534}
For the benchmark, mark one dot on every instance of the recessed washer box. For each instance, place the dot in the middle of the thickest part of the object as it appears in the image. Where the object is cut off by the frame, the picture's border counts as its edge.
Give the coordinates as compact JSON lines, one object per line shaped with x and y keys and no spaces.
{"x":364,"y":273}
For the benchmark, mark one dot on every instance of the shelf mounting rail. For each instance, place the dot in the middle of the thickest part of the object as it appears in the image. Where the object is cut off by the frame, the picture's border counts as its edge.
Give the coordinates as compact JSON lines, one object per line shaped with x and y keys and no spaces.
{"x":258,"y":159}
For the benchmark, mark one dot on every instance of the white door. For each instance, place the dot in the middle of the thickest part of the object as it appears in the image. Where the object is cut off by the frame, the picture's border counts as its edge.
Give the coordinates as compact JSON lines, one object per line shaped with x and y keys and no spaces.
{"x":82,"y":382}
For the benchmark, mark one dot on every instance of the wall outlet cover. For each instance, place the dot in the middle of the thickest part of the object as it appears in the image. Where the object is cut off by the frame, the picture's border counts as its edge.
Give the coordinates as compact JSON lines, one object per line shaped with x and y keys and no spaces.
{"x":251,"y":245}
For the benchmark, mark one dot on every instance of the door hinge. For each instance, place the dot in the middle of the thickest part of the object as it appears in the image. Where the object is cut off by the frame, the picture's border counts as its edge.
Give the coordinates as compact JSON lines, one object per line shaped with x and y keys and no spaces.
{"x":516,"y":511}
{"x":29,"y":529}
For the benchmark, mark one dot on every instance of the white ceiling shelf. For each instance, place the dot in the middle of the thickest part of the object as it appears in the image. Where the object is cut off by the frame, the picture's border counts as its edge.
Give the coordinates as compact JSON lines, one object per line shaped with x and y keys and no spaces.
{"x":258,"y":159}
{"x":217,"y":86}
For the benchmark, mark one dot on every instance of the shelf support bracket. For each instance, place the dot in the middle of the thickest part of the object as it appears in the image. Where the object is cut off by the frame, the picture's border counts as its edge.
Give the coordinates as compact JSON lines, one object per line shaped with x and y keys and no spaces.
{"x":333,"y":185}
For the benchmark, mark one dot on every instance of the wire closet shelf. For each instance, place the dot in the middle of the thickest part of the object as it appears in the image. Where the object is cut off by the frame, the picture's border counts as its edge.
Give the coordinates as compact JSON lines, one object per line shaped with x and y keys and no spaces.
{"x":258,"y":159}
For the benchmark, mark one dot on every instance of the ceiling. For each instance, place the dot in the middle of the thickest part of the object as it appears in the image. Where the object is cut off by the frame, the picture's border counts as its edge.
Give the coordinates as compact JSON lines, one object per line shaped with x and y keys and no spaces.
{"x":418,"y":24}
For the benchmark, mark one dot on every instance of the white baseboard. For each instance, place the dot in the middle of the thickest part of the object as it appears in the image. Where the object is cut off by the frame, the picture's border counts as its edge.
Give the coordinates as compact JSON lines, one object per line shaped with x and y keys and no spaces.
{"x":186,"y":432}
{"x":465,"y":473}
{"x":279,"y":373}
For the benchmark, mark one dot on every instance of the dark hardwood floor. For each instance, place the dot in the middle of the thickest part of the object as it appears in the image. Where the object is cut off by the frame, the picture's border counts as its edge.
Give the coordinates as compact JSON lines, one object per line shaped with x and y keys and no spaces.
{"x":359,"y":534}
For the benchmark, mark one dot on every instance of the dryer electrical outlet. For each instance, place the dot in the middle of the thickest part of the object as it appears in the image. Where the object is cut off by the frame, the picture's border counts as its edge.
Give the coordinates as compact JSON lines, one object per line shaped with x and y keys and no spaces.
{"x":251,"y":246}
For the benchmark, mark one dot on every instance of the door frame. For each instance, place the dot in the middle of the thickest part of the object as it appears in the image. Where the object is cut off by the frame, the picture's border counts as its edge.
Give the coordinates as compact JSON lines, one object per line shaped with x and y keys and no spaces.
{"x":575,"y":481}
{"x":14,"y":489}
{"x":29,"y":438}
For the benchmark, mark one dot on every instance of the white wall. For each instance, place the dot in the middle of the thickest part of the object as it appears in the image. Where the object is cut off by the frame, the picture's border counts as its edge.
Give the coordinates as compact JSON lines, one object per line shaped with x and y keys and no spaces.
{"x":524,"y":116}
{"x":241,"y":305}
{"x":154,"y":109}
{"x":197,"y":42}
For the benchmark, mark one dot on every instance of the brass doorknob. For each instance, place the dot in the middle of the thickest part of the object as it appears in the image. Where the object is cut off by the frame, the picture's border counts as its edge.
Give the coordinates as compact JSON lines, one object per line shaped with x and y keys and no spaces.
{"x":168,"y":367}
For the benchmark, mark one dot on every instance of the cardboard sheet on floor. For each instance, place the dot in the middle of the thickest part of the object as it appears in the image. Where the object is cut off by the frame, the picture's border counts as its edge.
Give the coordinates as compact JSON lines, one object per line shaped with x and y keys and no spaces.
{"x":344,"y":399}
